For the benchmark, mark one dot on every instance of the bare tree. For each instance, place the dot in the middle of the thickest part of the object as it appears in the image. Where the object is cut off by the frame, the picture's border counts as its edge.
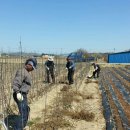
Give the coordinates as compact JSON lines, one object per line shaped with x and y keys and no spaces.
{"x":83,"y":52}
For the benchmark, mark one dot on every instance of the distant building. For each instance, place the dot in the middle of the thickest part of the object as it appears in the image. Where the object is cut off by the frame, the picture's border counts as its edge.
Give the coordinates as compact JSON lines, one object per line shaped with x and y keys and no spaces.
{"x":120,"y":57}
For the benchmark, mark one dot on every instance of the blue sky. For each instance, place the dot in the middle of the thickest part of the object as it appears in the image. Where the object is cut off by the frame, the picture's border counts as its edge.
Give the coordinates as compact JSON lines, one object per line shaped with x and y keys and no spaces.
{"x":62,"y":26}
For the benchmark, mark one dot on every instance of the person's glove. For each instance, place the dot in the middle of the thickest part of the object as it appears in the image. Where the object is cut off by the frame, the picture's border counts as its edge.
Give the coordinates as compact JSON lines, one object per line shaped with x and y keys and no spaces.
{"x":89,"y":76}
{"x":19,"y":96}
{"x":70,"y":67}
{"x":47,"y":67}
{"x":94,"y":70}
{"x":66,"y":68}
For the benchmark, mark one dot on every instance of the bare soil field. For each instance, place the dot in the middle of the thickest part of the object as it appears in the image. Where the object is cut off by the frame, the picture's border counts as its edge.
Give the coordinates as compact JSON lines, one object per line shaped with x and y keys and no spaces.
{"x":95,"y":104}
{"x":66,"y":107}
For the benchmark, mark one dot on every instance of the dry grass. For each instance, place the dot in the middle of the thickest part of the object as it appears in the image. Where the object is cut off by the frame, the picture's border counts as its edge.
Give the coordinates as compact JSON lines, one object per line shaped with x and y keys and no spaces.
{"x":87,"y":96}
{"x":69,"y":96}
{"x":83,"y":115}
{"x":88,"y":81}
{"x":79,"y":115}
{"x":54,"y":120}
{"x":91,"y":81}
{"x":55,"y":116}
{"x":65,"y":88}
{"x":52,"y":124}
{"x":57,"y":120}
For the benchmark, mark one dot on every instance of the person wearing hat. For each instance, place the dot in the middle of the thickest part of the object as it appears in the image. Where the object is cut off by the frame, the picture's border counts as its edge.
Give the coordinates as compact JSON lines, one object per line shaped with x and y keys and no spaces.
{"x":96,"y":71}
{"x":21,"y":86}
{"x":70,"y":66}
{"x":50,"y":68}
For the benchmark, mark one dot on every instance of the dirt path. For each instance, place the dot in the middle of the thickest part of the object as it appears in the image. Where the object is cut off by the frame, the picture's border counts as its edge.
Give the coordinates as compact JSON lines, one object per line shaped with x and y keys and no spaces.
{"x":38,"y":106}
{"x":89,"y":99}
{"x":92,"y":104}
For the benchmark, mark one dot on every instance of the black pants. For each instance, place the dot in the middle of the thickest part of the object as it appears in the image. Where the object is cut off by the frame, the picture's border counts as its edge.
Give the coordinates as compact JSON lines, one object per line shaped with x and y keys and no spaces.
{"x":96,"y":72}
{"x":50,"y":73}
{"x":24,"y":110}
{"x":70,"y":76}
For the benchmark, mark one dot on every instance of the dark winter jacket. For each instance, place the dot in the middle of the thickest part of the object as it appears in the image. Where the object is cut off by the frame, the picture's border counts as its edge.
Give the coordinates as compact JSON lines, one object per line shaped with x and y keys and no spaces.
{"x":50,"y":64}
{"x":97,"y":67}
{"x":70,"y":65}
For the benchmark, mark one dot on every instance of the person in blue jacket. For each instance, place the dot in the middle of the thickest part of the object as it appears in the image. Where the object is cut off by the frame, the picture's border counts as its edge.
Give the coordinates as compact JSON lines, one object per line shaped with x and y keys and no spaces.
{"x":70,"y":66}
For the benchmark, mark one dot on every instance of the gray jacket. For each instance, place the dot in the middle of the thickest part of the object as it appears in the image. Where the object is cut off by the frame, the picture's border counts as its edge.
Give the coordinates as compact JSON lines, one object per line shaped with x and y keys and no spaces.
{"x":22,"y":81}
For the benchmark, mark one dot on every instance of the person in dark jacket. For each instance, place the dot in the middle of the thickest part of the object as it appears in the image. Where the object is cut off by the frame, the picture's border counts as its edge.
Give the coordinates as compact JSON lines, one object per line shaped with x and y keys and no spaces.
{"x":50,"y":69}
{"x":96,"y":71}
{"x":21,"y":86}
{"x":70,"y":66}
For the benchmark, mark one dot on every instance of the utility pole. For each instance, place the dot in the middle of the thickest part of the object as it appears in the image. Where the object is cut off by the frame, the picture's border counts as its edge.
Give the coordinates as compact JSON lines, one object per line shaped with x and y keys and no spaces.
{"x":20,"y":47}
{"x":114,"y":50}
